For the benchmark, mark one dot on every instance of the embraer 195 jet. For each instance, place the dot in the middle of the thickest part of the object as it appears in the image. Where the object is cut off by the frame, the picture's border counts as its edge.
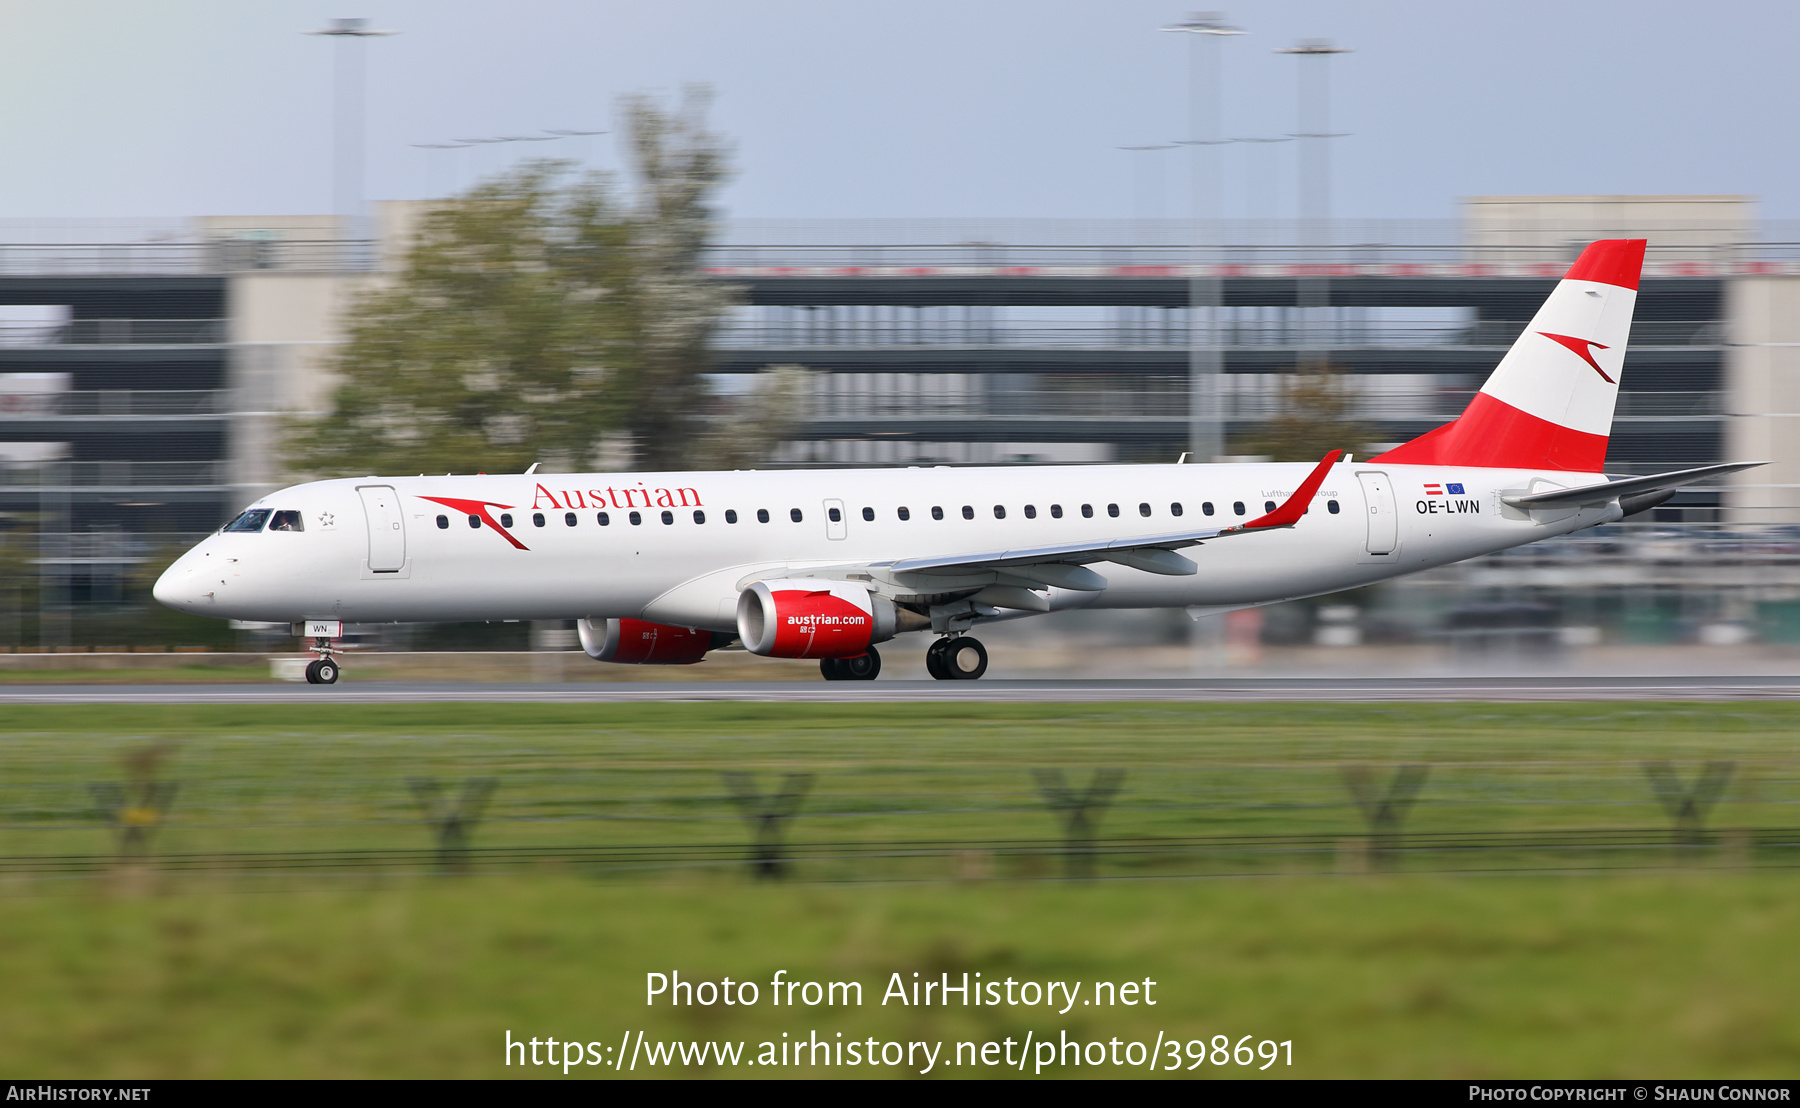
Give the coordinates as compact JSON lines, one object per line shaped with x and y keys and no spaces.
{"x":660,"y":568}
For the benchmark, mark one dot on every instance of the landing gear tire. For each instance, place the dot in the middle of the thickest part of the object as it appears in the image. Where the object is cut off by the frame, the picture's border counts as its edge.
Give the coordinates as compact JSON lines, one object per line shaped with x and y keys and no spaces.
{"x":863,"y":667}
{"x":934,"y":660}
{"x":312,"y":672}
{"x":958,"y":659}
{"x":322,"y":672}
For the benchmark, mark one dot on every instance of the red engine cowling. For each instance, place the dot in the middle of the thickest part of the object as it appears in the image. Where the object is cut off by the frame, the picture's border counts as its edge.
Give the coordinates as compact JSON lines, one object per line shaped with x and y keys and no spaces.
{"x":800,"y":618}
{"x":634,"y":642}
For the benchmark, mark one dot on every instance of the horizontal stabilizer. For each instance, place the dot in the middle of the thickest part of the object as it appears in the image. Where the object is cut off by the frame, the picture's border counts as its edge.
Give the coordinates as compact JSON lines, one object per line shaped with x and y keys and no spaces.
{"x":1625,"y":486}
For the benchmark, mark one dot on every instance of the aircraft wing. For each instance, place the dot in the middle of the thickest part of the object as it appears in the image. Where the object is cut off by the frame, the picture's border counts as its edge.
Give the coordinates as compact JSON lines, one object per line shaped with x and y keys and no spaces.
{"x":1153,"y":553}
{"x":1061,"y":564}
{"x":1590,"y":495}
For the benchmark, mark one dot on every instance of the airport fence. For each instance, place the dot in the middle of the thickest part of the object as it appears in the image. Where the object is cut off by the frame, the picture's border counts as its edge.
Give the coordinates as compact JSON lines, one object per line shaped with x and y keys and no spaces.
{"x":858,"y":825}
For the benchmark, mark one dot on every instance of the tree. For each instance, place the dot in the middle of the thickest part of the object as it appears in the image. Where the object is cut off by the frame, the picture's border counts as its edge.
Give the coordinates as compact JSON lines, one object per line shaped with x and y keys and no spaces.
{"x":673,"y":307}
{"x":536,"y":315}
{"x":1315,"y":413}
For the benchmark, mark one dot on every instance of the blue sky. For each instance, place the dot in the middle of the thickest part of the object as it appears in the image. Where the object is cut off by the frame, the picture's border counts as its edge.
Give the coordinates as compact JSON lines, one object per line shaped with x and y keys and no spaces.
{"x":977,"y":108}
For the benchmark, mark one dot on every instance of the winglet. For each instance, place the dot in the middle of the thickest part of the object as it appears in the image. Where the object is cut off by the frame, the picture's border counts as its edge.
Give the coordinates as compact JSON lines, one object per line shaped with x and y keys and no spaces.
{"x":1293,"y":507}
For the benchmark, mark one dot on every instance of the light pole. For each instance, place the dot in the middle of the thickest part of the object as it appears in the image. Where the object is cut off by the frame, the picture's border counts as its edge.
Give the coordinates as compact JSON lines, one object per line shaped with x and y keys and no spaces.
{"x":1147,"y":192}
{"x":1260,"y":185}
{"x":347,"y":185}
{"x":1206,"y":437}
{"x":1313,"y":294}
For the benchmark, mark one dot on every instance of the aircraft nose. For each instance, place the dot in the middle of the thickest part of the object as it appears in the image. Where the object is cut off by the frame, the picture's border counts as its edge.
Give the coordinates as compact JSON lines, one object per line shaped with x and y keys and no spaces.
{"x":175,"y":588}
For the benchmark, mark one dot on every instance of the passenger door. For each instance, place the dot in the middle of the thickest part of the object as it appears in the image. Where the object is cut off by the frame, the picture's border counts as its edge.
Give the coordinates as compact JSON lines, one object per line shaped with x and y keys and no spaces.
{"x":387,"y":530}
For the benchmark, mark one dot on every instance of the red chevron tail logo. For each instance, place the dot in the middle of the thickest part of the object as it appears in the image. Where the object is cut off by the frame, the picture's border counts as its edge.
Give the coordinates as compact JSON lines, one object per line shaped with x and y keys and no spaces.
{"x":1585,"y":348}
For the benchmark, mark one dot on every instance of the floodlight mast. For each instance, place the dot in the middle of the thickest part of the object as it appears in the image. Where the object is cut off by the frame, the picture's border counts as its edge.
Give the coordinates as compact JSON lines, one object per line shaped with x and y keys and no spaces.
{"x":1206,"y":423}
{"x":1313,"y":294}
{"x":347,"y":183}
{"x":1147,"y":194}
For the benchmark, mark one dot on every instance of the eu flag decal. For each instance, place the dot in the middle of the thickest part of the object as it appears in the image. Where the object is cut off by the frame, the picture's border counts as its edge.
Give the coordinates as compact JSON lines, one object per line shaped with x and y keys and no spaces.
{"x":1454,"y":488}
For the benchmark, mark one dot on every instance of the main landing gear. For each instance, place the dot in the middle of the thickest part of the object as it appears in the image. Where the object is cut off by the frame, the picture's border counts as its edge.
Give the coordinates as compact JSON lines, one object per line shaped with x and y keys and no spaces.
{"x":325,"y":670}
{"x":956,"y":659}
{"x":863,"y":667}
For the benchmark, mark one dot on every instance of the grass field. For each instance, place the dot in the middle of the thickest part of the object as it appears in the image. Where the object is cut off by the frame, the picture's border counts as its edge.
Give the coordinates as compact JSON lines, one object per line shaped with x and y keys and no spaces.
{"x":1680,"y":966}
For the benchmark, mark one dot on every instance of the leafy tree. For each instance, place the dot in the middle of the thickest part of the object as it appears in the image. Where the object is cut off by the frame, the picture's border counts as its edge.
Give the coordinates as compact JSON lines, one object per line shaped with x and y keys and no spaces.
{"x":1314,"y":414}
{"x":536,"y":315}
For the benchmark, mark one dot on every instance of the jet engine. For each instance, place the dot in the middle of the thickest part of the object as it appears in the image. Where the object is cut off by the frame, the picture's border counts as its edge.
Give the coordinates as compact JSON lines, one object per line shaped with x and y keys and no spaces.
{"x":801,"y":618}
{"x":635,"y":642}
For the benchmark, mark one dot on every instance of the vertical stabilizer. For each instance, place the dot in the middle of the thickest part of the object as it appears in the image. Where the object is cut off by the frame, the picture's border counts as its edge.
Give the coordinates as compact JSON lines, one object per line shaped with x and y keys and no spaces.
{"x":1549,"y":403}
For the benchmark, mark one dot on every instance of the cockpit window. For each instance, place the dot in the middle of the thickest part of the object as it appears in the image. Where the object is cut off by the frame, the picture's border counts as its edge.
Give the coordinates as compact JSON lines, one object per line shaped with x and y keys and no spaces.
{"x":251,"y":520}
{"x":286,"y":521}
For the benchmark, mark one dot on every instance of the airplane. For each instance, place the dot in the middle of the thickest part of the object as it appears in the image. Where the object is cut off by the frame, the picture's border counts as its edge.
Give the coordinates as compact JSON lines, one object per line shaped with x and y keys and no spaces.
{"x":663,"y":568}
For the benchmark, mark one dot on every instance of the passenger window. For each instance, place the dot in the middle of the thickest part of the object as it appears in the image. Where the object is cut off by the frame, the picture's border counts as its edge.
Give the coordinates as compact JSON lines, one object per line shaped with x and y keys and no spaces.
{"x":537,"y":519}
{"x":937,"y":513}
{"x":250,"y":521}
{"x":443,"y":523}
{"x":603,"y":519}
{"x":1087,"y":511}
{"x":1144,"y":510}
{"x":1268,"y":506}
{"x":1030,"y":511}
{"x":999,"y":511}
{"x":1056,"y":511}
{"x":635,"y":519}
{"x":762,"y":515}
{"x":699,"y":517}
{"x":968,"y":512}
{"x":1175,"y":508}
{"x":836,"y":516}
{"x":731,"y":515}
{"x":668,"y":518}
{"x":474,"y":521}
{"x":1112,"y":510}
{"x":1206,"y":507}
{"x":1237,"y":506}
{"x":868,"y":515}
{"x":1331,"y":506}
{"x":905,"y":515}
{"x":506,"y":520}
{"x":568,"y":519}
{"x":286,"y":521}
{"x":794,"y":514}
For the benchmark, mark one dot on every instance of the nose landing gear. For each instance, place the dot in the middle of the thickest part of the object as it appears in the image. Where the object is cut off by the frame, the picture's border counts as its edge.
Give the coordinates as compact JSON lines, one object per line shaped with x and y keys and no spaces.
{"x":325,"y":670}
{"x":863,"y":667}
{"x":956,"y":659}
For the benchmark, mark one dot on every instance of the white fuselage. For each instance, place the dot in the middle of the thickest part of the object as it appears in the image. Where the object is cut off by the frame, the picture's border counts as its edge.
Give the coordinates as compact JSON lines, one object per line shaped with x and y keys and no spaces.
{"x":391,"y":550}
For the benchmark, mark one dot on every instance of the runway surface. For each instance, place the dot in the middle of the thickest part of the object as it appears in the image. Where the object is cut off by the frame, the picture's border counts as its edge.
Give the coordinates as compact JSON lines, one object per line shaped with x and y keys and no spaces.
{"x":1206,"y":690}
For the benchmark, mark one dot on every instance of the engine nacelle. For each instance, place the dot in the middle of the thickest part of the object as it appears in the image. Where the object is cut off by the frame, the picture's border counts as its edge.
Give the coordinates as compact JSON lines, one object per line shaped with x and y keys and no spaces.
{"x":801,"y":618}
{"x":634,"y":642}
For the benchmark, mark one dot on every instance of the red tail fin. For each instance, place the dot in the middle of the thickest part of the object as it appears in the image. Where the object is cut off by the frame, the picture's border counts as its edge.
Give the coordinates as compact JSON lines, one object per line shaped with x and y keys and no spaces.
{"x":1549,"y":403}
